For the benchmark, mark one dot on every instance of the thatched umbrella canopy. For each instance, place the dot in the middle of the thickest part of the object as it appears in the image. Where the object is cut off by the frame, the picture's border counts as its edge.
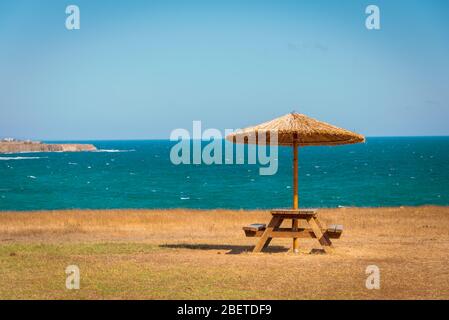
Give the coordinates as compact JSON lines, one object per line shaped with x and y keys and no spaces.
{"x":296,"y":130}
{"x":299,"y":129}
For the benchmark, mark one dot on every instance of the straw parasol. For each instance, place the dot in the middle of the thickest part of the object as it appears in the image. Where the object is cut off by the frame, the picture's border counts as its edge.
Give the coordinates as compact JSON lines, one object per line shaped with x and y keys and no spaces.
{"x":295,"y":129}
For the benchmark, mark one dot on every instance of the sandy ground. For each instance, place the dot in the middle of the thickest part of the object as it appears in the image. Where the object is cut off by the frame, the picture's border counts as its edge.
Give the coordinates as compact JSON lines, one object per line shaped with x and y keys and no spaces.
{"x":187,"y":254}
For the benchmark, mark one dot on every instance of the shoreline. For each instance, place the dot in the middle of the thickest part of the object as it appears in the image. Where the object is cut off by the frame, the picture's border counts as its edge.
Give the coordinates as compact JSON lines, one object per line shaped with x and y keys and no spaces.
{"x":219,"y":209}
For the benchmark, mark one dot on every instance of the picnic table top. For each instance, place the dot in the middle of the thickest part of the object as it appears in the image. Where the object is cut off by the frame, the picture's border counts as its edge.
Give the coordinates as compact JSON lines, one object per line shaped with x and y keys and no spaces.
{"x":289,"y":211}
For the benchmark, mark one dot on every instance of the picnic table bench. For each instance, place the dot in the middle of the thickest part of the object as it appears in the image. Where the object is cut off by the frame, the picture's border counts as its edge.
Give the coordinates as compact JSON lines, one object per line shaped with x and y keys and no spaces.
{"x":274,"y":230}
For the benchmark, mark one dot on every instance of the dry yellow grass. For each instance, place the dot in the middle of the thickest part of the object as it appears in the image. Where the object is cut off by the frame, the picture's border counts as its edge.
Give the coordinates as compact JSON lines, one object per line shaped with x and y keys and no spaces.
{"x":127,"y":254}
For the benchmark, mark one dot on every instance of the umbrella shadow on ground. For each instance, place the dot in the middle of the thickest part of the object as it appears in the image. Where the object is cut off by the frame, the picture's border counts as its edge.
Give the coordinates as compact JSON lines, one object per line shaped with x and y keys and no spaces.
{"x":232,"y":249}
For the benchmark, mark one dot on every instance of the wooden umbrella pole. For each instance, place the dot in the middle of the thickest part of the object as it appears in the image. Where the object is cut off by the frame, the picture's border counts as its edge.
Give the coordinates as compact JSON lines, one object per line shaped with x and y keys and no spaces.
{"x":295,"y":194}
{"x":295,"y":176}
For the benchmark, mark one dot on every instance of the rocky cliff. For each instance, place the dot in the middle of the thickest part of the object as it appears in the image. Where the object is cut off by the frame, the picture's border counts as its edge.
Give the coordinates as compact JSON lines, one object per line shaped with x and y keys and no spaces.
{"x":20,"y":146}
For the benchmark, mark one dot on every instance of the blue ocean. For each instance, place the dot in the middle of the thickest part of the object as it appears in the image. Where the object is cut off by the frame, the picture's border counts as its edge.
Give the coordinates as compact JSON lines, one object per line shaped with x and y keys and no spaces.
{"x":139,"y":174}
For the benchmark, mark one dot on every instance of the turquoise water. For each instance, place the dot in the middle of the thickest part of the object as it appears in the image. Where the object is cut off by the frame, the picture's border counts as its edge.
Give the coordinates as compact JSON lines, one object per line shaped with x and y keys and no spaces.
{"x":139,"y":174}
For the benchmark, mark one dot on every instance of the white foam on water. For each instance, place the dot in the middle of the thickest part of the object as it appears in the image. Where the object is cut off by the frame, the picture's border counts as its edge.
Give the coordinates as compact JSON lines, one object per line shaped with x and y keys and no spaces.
{"x":113,"y":150}
{"x":31,"y":177}
{"x":20,"y":158}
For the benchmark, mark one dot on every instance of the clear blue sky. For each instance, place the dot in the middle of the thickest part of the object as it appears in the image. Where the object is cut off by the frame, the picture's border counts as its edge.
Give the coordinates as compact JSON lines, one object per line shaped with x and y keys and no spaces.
{"x":138,"y":69}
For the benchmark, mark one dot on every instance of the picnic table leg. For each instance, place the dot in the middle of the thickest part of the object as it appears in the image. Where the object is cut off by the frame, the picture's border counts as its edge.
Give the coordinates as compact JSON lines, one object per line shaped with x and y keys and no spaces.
{"x":275,"y":225}
{"x":295,"y":247}
{"x":266,"y":239}
{"x":323,"y":239}
{"x":325,"y":235}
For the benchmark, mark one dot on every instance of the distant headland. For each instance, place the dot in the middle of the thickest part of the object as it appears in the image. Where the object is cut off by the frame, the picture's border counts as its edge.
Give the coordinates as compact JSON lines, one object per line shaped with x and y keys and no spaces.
{"x":10,"y":145}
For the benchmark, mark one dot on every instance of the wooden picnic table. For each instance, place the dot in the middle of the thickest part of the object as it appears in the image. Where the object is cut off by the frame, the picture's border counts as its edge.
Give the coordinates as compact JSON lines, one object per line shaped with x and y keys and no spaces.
{"x":274,"y":230}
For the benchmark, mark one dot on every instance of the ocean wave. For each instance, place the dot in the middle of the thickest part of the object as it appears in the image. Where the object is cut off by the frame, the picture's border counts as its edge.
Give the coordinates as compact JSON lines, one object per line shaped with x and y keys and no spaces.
{"x":113,"y":150}
{"x":20,"y":158}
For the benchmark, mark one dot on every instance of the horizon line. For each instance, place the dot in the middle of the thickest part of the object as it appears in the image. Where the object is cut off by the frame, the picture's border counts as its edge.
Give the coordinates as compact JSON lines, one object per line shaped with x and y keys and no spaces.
{"x":165,"y":139}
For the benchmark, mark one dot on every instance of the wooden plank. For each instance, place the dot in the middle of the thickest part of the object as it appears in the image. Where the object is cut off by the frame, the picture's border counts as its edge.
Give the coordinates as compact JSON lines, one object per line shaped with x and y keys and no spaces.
{"x":288,"y":233}
{"x":325,"y":233}
{"x":265,"y":239}
{"x":294,"y":211}
{"x":255,"y":227}
{"x":276,"y":225}
{"x":251,"y":233}
{"x":335,"y":231}
{"x":299,"y":216}
{"x":335,"y":228}
{"x":322,"y":239}
{"x":319,"y":223}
